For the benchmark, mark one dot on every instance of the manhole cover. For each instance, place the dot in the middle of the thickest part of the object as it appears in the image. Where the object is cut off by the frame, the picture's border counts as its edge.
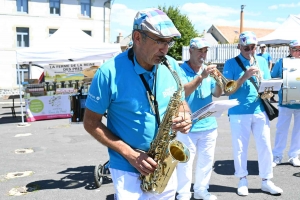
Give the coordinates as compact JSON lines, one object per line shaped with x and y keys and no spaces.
{"x":21,"y":151}
{"x":22,"y":190}
{"x":18,"y":174}
{"x":23,"y":134}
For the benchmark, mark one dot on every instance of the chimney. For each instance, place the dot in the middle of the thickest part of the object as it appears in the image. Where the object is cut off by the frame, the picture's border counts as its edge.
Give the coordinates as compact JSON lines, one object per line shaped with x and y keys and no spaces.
{"x":119,"y":38}
{"x":242,"y":19}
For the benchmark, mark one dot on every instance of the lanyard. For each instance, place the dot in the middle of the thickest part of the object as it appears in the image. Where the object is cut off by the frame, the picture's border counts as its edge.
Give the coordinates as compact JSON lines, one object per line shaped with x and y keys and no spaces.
{"x":152,"y":98}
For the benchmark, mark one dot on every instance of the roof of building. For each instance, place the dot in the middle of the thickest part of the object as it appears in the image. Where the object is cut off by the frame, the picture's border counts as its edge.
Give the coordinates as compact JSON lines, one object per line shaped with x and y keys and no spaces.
{"x":232,"y":33}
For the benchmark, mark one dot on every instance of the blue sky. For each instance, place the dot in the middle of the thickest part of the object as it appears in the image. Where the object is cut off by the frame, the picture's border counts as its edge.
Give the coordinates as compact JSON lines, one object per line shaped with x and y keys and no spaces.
{"x":258,"y":14}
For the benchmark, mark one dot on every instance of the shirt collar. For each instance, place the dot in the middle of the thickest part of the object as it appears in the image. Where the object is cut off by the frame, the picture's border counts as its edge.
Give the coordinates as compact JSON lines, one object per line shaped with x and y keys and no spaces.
{"x":140,"y":70}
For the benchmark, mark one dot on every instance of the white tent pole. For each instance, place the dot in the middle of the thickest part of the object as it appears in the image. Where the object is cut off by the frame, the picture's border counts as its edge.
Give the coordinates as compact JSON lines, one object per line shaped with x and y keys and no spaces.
{"x":20,"y":92}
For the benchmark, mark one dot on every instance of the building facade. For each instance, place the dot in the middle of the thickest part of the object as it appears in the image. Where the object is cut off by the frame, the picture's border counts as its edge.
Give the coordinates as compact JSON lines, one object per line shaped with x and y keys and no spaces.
{"x":24,"y":23}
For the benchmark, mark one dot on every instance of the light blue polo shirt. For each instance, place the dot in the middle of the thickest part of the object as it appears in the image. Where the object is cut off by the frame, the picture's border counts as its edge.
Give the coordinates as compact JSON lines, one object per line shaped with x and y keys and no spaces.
{"x":266,"y":56}
{"x":277,"y":73}
{"x":118,"y":88}
{"x":199,"y":98}
{"x":247,"y":93}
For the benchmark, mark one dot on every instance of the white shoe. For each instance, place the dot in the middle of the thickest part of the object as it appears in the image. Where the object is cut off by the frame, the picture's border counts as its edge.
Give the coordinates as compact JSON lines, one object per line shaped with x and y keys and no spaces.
{"x":243,"y":187}
{"x":268,"y":186}
{"x":205,"y":195}
{"x":276,"y":161}
{"x":295,"y":162}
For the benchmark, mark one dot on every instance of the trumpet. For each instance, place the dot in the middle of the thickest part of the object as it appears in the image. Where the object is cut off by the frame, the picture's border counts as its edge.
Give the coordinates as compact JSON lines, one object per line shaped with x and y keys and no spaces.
{"x":225,"y":84}
{"x":268,"y":90}
{"x":257,"y":74}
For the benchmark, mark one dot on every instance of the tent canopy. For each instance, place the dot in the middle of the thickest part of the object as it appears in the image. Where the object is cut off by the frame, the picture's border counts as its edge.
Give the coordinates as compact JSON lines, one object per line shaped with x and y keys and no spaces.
{"x":67,"y":44}
{"x":287,"y":31}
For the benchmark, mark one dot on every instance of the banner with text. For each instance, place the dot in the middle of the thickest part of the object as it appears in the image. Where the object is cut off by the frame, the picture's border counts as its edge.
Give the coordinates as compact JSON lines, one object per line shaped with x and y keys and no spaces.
{"x":67,"y":72}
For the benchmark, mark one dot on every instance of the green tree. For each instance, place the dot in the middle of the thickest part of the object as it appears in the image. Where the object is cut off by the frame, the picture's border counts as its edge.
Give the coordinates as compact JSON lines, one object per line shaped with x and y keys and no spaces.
{"x":185,"y":27}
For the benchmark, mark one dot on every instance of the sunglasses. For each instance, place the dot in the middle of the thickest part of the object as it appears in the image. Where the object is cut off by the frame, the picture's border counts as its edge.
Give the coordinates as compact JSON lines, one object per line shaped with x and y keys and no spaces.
{"x":248,"y":48}
{"x":296,"y":50}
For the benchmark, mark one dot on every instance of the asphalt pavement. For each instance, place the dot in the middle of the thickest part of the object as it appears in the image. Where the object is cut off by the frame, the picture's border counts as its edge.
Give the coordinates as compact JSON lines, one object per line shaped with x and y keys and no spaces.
{"x":56,"y":161}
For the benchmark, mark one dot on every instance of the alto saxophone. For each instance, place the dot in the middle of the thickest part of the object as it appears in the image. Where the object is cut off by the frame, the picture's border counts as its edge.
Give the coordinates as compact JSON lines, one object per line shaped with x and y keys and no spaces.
{"x":164,"y":149}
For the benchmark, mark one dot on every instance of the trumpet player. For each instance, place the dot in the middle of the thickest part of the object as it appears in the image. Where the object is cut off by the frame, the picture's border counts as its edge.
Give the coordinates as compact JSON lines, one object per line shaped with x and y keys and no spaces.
{"x":199,"y":88}
{"x":249,"y":116}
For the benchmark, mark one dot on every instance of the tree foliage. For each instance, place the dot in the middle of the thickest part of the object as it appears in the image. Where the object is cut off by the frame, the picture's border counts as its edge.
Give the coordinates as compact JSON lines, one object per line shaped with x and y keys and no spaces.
{"x":185,"y":27}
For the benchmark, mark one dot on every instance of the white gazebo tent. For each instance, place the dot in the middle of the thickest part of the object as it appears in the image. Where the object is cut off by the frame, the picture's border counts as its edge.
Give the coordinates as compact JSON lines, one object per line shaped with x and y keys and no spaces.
{"x":66,"y":45}
{"x":287,"y":31}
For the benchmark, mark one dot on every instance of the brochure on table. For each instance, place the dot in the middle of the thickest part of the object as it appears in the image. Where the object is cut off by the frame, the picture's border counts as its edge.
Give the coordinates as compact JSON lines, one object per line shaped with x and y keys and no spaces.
{"x":47,"y":107}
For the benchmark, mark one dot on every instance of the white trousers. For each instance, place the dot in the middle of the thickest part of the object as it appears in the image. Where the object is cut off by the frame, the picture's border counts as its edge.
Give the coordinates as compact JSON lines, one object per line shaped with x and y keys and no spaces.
{"x":203,"y":144}
{"x":128,"y":186}
{"x":282,"y":130}
{"x":241,"y":128}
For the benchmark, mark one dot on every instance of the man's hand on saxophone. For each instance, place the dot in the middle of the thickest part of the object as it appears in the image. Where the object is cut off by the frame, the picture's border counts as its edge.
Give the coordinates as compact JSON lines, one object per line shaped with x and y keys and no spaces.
{"x":142,"y":162}
{"x":182,"y":123}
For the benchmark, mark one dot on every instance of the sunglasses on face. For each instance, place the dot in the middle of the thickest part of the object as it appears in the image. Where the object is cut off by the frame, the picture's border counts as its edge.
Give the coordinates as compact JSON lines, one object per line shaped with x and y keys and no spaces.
{"x":249,"y":48}
{"x":296,"y":50}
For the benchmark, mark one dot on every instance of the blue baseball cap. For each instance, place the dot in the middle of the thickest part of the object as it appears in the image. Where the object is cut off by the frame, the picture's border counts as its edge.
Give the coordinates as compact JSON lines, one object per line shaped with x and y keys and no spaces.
{"x":247,"y":38}
{"x":294,"y":43}
{"x":156,"y":22}
{"x":199,"y":43}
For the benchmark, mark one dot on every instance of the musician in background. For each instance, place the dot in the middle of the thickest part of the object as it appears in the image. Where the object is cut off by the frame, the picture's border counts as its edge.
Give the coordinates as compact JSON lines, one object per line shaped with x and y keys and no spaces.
{"x":201,"y":140}
{"x":285,"y":116}
{"x":268,"y":58}
{"x":120,"y":86}
{"x":265,"y":55}
{"x":249,"y":116}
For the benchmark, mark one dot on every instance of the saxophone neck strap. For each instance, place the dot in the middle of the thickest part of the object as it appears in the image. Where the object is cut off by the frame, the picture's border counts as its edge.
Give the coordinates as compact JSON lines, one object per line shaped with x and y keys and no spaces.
{"x":152,"y":99}
{"x":150,"y":96}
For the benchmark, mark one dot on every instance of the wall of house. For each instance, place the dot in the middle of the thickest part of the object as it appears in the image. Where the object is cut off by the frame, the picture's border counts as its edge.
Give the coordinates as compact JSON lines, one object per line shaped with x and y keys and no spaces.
{"x":216,"y":34}
{"x":39,"y":21}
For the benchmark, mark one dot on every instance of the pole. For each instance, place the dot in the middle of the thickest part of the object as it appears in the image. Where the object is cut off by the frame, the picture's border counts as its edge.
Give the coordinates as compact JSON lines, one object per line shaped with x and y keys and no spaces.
{"x":242,"y":18}
{"x":21,"y":100}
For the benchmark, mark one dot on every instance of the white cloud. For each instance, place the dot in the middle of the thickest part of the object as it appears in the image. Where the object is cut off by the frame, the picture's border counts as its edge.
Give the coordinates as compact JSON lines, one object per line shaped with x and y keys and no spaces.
{"x":122,"y":15}
{"x":280,"y":19}
{"x":201,"y":15}
{"x":226,"y":16}
{"x":291,"y":5}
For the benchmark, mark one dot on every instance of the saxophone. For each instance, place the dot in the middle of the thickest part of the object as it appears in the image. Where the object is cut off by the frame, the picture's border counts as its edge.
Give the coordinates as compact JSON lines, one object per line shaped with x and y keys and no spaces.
{"x":164,"y":149}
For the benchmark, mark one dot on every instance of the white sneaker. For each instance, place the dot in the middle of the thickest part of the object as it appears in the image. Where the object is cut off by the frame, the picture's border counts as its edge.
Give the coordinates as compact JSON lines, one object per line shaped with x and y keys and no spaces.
{"x":268,"y":186}
{"x":276,"y":161}
{"x":243,"y":187}
{"x":205,"y":195}
{"x":295,"y":162}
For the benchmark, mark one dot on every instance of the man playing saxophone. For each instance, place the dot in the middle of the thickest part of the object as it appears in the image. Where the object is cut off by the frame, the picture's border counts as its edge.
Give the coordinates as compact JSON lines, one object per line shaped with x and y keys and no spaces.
{"x":249,"y":116}
{"x":201,"y":140}
{"x":135,"y":88}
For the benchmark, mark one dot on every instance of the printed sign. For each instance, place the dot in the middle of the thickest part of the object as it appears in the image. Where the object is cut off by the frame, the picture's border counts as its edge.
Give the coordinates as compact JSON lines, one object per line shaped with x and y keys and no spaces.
{"x":67,"y":72}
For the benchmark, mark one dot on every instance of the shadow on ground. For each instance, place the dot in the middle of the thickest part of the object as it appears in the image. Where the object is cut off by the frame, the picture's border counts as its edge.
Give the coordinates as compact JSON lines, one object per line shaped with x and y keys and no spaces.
{"x":75,"y":178}
{"x":226,"y":167}
{"x":10,"y":119}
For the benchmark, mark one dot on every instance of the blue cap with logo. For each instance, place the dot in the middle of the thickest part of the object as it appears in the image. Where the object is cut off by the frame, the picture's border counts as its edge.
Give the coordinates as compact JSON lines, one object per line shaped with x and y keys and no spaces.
{"x":294,"y":43}
{"x":199,"y":43}
{"x":156,"y":22}
{"x":247,"y":38}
